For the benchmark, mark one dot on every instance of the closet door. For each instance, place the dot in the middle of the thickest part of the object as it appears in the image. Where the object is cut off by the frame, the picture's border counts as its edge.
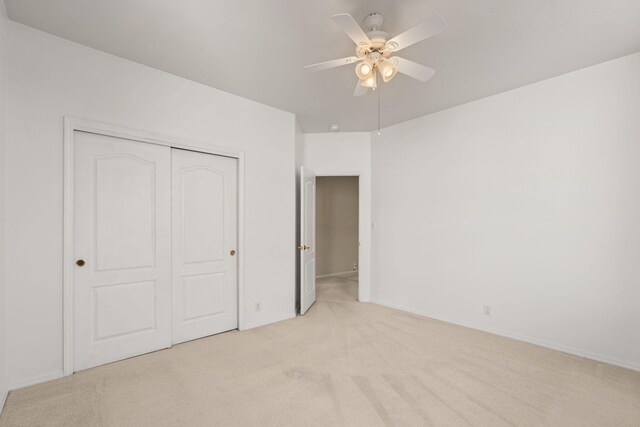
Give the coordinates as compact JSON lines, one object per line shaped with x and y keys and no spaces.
{"x":122,"y":248}
{"x":204,"y":224}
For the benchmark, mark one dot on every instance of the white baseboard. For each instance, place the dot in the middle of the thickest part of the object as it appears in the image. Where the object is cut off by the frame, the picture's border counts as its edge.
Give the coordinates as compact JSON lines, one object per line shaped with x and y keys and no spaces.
{"x":269,"y":321}
{"x":36,"y":380}
{"x":515,"y":336}
{"x":3,"y":399}
{"x":343,"y":273}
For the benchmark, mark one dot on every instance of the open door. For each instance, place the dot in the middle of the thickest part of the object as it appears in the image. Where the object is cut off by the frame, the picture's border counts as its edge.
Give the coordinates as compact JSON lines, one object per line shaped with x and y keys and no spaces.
{"x":307,"y":247}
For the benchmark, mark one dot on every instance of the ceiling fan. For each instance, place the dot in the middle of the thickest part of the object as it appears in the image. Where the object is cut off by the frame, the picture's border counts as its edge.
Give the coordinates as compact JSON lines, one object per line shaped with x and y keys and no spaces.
{"x":375,"y":50}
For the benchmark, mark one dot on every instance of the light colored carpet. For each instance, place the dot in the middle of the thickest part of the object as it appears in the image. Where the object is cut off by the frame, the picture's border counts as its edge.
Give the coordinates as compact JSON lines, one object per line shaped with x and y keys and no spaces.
{"x":344,"y":363}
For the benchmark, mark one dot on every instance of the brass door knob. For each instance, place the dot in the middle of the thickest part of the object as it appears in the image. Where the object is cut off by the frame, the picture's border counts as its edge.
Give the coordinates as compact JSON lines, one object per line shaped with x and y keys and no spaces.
{"x":232,"y":253}
{"x":80,"y":262}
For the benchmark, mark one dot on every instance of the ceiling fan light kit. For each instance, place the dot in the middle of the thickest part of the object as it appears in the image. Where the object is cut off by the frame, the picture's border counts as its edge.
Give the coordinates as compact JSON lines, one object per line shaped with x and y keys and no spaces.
{"x":374,"y":50}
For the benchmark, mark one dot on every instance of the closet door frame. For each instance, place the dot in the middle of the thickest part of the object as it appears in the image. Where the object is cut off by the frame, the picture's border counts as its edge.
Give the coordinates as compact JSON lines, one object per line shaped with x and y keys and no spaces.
{"x":74,"y":124}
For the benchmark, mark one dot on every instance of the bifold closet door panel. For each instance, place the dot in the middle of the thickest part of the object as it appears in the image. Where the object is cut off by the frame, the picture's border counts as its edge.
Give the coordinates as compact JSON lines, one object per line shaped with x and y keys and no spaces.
{"x":205,"y":236}
{"x":122,"y":248}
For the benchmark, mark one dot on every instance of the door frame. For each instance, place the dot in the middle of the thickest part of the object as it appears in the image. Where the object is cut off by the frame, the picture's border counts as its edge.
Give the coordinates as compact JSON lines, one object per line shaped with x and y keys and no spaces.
{"x":363,"y":221}
{"x":73,"y":124}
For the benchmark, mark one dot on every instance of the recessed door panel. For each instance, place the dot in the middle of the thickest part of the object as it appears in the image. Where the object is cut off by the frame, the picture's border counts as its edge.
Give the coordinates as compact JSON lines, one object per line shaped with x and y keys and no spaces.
{"x":122,"y":244}
{"x":203,"y":214}
{"x":204,"y":295}
{"x":124,"y":207}
{"x":205,"y":278}
{"x":136,"y":299}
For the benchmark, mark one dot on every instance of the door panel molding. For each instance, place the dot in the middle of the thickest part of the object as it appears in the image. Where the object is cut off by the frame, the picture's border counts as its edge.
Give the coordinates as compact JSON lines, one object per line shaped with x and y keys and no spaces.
{"x":73,"y":125}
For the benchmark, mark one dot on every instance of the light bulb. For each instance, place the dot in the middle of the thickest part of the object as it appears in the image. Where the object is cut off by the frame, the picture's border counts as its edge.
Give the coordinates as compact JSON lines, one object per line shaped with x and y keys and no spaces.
{"x":364,"y":69}
{"x":370,"y":81}
{"x":387,"y":70}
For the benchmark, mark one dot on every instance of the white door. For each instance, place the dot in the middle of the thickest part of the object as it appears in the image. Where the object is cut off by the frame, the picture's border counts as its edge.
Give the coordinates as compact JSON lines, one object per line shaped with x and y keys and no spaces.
{"x":307,"y":246}
{"x":205,"y":236}
{"x":122,"y":248}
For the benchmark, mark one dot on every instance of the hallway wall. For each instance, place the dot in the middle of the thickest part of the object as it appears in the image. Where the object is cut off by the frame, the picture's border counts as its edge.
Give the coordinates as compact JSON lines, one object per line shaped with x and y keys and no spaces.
{"x":336,"y":224}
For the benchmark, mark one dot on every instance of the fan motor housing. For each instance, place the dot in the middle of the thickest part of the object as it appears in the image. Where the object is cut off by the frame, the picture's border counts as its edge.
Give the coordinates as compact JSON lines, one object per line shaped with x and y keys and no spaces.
{"x":373,"y":21}
{"x":378,"y":38}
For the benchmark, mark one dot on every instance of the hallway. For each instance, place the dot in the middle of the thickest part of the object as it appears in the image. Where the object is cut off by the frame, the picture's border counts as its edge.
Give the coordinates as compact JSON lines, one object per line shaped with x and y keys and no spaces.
{"x":341,"y":288}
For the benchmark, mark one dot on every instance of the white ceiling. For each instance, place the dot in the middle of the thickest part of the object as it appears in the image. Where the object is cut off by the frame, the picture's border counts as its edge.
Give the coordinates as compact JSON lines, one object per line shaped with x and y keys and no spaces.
{"x":257,"y":48}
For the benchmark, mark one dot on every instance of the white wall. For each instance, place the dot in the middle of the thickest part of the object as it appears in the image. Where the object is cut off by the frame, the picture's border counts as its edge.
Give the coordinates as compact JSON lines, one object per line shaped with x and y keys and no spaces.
{"x":4,"y":60}
{"x":528,"y":201}
{"x":52,"y":78}
{"x":345,"y":153}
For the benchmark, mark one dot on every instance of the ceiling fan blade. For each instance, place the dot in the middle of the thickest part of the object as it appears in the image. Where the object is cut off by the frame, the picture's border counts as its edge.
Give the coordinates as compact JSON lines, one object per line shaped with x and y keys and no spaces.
{"x":351,"y":27}
{"x":413,"y":69}
{"x":360,"y":90}
{"x":428,"y":28}
{"x":331,"y":64}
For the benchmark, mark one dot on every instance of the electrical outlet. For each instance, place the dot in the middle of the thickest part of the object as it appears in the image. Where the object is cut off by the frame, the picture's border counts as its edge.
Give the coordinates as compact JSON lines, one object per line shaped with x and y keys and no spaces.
{"x":355,"y":266}
{"x":258,"y":307}
{"x":487,"y":310}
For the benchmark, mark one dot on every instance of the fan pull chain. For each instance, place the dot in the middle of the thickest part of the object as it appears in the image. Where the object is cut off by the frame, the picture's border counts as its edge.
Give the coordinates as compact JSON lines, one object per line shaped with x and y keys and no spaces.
{"x":378,"y":111}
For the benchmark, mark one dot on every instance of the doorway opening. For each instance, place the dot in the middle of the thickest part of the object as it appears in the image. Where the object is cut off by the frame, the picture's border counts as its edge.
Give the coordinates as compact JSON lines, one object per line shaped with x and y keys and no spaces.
{"x":337,"y":237}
